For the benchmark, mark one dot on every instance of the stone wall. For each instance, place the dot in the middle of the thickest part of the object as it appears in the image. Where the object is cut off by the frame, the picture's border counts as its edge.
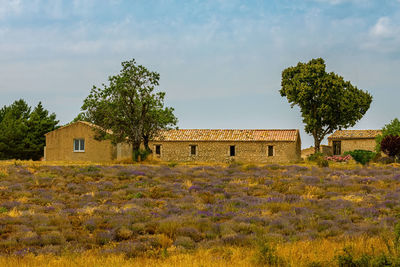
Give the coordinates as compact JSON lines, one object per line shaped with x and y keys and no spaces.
{"x":124,"y":151}
{"x":60,"y":145}
{"x":326,"y":150}
{"x":353,"y":144}
{"x":219,"y":151}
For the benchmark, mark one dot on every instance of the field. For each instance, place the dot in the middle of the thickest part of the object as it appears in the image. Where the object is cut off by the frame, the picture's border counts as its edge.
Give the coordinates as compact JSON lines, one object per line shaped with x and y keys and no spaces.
{"x":200,"y":215}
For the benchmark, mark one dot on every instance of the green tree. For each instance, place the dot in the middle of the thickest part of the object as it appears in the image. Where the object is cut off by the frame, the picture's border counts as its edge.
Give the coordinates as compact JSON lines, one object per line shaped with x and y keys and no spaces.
{"x":326,"y":101}
{"x":22,"y":131}
{"x":158,"y":118}
{"x":13,"y":129}
{"x":128,"y":107}
{"x":392,"y":128}
{"x":39,"y":123}
{"x":80,"y":117}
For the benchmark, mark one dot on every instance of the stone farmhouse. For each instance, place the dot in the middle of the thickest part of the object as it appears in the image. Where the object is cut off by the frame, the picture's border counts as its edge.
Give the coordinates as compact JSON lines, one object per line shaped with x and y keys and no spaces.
{"x":347,"y":140}
{"x":76,"y":142}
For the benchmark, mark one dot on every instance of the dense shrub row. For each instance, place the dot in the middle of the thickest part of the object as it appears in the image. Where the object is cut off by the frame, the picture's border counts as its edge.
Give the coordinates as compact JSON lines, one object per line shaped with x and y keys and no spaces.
{"x":145,"y":210}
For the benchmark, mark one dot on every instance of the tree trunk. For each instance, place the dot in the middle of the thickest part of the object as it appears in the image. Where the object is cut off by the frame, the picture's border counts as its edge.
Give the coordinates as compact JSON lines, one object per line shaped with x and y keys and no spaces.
{"x":317,"y":144}
{"x":146,"y":144}
{"x":136,"y":151}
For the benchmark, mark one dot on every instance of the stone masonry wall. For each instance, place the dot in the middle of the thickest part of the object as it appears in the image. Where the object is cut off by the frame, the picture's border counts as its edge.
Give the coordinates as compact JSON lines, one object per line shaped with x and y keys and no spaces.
{"x":353,"y":144}
{"x":219,"y":151}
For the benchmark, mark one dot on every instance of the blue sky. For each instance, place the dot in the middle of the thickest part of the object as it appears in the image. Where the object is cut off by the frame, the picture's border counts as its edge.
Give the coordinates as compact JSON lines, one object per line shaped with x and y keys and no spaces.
{"x":220,"y":61}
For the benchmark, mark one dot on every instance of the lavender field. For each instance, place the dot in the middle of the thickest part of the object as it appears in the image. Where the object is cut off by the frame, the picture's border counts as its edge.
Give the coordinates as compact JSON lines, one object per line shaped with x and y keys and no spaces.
{"x":159,"y":210}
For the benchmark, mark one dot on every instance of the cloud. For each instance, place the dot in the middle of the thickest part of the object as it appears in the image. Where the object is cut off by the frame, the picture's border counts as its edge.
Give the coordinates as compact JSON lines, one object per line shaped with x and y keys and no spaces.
{"x":382,"y":28}
{"x":383,"y":36}
{"x":338,"y":2}
{"x":9,"y":7}
{"x":82,"y":7}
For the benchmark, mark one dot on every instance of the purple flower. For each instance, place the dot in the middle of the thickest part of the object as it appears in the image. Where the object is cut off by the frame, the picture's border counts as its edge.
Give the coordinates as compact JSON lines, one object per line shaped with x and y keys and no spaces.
{"x":396,"y":177}
{"x":367,"y":180}
{"x":205,"y":213}
{"x":195,"y":188}
{"x":276,"y":199}
{"x":367,"y":211}
{"x":311,"y":179}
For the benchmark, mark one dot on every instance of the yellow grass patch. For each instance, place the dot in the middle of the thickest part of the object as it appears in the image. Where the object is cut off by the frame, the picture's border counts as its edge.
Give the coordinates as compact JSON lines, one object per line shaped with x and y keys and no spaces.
{"x":301,"y":253}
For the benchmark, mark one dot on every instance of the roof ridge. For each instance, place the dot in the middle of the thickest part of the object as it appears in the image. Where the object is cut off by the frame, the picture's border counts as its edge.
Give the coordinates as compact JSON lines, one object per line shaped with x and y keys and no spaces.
{"x":228,"y":135}
{"x":234,"y":129}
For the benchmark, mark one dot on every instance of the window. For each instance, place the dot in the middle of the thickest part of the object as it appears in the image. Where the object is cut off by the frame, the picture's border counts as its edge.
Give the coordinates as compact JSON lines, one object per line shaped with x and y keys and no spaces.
{"x":270,"y":151}
{"x":337,"y":147}
{"x":232,"y":151}
{"x":79,"y":145}
{"x":158,"y":149}
{"x":193,"y":150}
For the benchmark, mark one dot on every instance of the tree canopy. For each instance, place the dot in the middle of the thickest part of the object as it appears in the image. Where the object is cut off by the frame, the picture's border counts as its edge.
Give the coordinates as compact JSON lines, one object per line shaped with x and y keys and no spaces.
{"x":22,"y":131}
{"x":392,"y":128}
{"x":327,"y":102}
{"x":390,"y":145}
{"x":128,"y":107}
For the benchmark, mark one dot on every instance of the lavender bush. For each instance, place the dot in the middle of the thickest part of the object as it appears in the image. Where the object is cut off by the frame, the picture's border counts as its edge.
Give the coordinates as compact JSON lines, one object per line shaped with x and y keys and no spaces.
{"x":144,"y":209}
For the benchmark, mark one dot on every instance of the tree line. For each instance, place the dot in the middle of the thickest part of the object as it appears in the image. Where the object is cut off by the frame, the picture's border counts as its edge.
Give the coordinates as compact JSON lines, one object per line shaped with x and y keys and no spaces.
{"x":22,"y":130}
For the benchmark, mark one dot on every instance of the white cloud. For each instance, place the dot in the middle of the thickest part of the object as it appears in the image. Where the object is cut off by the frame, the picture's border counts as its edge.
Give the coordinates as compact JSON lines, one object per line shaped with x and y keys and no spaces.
{"x":383,"y":36}
{"x":9,"y":7}
{"x":339,"y":2}
{"x":382,"y":28}
{"x":82,"y":7}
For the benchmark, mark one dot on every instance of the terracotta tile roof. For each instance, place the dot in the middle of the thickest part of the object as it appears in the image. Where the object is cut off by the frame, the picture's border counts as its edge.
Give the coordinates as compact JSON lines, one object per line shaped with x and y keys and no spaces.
{"x":354,"y":134}
{"x":227,"y":135}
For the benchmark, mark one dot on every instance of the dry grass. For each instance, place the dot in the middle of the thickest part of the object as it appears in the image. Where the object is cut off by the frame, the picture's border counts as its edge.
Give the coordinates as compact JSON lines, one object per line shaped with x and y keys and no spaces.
{"x":301,"y":253}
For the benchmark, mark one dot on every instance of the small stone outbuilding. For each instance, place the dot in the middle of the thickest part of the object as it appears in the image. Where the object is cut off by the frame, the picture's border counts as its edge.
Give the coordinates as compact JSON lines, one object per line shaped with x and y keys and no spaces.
{"x":76,"y":142}
{"x":348,"y":140}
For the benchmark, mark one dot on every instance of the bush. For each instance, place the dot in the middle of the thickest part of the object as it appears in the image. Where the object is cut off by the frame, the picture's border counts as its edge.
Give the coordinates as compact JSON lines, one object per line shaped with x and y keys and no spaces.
{"x":103,"y":237}
{"x":315,"y":156}
{"x":390,"y":145}
{"x":347,"y":259}
{"x":172,"y":164}
{"x":266,"y":255}
{"x":185,"y":242}
{"x":123,"y":234}
{"x":319,"y":159}
{"x":3,"y":210}
{"x":323,"y":163}
{"x":361,"y":156}
{"x":397,"y":237}
{"x":144,"y":154}
{"x":386,"y":160}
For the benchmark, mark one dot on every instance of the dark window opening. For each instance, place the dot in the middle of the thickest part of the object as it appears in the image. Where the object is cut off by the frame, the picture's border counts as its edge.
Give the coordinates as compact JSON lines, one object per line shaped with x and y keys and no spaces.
{"x":232,"y":151}
{"x":337,"y":147}
{"x":158,"y":150}
{"x":270,"y":151}
{"x":192,"y":150}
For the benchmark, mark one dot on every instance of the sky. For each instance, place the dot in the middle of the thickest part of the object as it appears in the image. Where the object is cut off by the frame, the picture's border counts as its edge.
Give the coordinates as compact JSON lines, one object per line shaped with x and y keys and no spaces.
{"x":220,"y":61}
